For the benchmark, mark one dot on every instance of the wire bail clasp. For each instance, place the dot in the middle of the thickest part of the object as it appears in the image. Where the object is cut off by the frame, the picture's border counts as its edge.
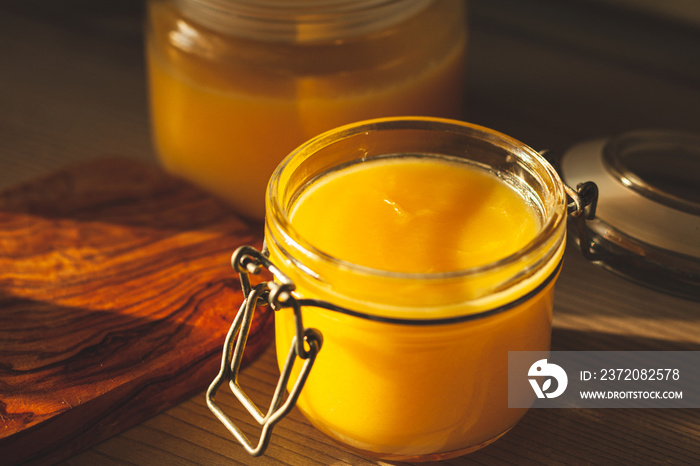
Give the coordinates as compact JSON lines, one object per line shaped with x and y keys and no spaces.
{"x":277,"y":293}
{"x":582,"y":207}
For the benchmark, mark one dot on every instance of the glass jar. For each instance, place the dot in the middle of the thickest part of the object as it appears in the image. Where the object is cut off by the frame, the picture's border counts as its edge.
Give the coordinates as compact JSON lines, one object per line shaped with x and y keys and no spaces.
{"x":414,"y":365}
{"x":235,"y":85}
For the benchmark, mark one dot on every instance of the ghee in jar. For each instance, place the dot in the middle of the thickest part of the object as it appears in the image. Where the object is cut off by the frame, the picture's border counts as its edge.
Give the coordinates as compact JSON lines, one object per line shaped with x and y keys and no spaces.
{"x":233,"y":90}
{"x":415,"y":215}
{"x":439,"y":242}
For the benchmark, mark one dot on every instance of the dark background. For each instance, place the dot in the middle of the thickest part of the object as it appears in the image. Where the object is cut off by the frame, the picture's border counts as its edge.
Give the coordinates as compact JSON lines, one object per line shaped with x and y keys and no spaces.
{"x":548,"y":72}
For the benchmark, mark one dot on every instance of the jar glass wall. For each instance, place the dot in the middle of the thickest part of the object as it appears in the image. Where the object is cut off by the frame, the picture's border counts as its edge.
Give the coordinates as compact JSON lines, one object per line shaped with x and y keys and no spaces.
{"x":236,"y":85}
{"x":417,"y":368}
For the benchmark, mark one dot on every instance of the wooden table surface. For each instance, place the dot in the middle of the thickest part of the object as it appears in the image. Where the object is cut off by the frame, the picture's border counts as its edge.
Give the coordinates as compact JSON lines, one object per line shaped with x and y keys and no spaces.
{"x":549,"y":73}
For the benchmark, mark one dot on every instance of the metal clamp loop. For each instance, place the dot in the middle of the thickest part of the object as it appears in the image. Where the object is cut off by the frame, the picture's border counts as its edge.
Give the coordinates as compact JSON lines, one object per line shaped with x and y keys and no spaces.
{"x":246,"y":261}
{"x":582,"y":207}
{"x":583,"y":200}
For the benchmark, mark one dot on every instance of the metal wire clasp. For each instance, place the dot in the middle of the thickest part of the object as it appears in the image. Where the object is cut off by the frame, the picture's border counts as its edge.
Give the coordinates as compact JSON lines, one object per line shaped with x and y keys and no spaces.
{"x":246,"y":260}
{"x":581,"y":206}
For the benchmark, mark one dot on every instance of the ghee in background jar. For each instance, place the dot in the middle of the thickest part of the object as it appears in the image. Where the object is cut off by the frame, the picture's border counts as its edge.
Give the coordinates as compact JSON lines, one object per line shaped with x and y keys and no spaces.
{"x":236,"y":85}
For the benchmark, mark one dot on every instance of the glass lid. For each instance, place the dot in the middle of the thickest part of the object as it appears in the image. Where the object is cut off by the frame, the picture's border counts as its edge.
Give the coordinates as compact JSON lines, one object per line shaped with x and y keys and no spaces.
{"x":647,"y":222}
{"x":662,"y":166}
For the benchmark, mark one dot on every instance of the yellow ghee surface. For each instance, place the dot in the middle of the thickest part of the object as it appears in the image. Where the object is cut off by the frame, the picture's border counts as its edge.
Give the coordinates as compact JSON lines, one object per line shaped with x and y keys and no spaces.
{"x":226,"y":110}
{"x":415,"y":215}
{"x":406,"y":391}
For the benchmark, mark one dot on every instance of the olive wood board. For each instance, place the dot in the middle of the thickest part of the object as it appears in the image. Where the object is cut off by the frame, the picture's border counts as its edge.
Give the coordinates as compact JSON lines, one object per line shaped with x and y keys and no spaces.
{"x":116,"y":293}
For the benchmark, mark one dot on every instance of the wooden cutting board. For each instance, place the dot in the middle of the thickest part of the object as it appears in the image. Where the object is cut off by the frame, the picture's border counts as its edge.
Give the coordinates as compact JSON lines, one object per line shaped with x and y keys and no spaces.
{"x":116,"y":293}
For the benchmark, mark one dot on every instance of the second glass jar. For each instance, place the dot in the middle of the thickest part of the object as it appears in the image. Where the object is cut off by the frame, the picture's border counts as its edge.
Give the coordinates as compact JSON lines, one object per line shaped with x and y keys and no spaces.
{"x":235,"y":85}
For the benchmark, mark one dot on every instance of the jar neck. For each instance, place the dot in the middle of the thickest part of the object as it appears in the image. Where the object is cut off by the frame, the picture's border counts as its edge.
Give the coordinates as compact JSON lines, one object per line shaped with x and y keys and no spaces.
{"x":299,"y":21}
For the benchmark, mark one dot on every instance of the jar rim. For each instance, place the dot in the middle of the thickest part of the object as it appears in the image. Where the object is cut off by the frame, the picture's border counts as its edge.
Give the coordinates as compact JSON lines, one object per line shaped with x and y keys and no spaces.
{"x":277,"y":214}
{"x":299,"y":20}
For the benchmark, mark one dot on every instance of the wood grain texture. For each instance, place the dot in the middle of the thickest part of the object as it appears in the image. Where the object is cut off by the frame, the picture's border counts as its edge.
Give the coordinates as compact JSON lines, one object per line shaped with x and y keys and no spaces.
{"x":116,"y":293}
